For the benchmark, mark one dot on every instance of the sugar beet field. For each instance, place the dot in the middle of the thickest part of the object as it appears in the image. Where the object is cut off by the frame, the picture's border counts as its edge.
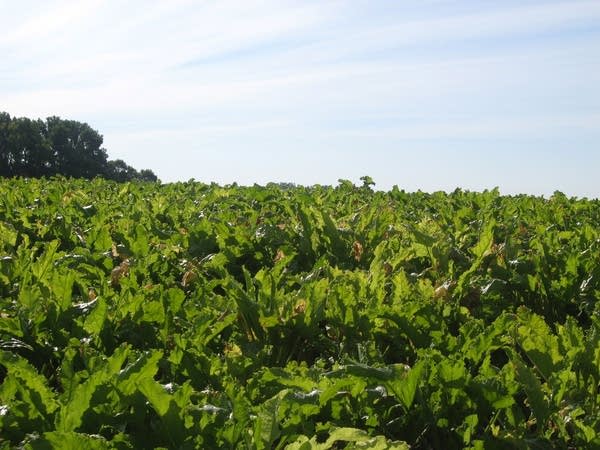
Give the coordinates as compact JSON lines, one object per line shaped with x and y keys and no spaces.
{"x":188,"y":315}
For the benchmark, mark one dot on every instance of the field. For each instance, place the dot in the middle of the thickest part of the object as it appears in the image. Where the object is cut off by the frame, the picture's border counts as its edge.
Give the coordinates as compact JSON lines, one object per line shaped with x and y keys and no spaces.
{"x":188,"y":315}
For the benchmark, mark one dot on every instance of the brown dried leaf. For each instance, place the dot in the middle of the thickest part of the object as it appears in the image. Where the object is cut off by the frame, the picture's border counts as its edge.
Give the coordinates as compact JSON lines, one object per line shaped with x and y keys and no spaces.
{"x":188,"y":278}
{"x":357,"y":250}
{"x":119,"y":272}
{"x":300,"y":306}
{"x":279,"y":256}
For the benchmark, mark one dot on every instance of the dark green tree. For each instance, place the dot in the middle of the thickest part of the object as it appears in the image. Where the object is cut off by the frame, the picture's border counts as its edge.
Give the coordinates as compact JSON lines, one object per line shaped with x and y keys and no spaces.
{"x":23,"y":148}
{"x":147,"y":175}
{"x":34,"y":148}
{"x":76,"y":148}
{"x":119,"y":170}
{"x":5,"y":155}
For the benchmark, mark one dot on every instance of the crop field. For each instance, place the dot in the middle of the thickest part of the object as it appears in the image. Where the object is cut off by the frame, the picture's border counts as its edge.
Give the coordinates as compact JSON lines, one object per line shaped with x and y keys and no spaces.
{"x":189,"y":315}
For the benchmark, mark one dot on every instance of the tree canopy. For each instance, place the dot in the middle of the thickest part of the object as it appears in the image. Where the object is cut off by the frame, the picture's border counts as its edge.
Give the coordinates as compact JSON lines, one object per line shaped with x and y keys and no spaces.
{"x":37,"y":148}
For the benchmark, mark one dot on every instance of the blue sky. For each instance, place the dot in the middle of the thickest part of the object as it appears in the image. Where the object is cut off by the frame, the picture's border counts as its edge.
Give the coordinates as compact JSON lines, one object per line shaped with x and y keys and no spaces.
{"x":426,"y":94}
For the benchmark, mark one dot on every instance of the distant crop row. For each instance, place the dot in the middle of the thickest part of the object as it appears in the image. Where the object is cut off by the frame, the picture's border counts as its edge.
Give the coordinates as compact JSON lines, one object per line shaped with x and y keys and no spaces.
{"x":188,"y":315}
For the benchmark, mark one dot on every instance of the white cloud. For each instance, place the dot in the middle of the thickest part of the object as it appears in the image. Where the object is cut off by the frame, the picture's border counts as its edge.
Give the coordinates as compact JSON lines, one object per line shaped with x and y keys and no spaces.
{"x":232,"y":72}
{"x":529,"y":128}
{"x":501,"y":22}
{"x":48,"y":22}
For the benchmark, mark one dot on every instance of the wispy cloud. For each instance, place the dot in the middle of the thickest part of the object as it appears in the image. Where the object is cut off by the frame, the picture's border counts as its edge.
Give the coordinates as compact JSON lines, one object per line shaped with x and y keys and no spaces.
{"x":536,"y":127}
{"x":46,"y":21}
{"x":233,"y":73}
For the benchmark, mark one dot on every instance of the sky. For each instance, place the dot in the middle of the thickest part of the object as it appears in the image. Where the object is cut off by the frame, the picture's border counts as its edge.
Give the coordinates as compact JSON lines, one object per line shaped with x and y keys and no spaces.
{"x":423,"y":94}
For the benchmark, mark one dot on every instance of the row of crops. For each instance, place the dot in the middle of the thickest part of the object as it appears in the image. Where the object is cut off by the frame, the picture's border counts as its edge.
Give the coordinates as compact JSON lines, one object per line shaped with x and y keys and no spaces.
{"x":189,"y":316}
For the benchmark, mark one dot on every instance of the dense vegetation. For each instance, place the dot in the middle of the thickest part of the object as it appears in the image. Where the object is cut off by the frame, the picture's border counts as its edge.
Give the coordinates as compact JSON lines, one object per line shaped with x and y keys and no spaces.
{"x":187,"y":315}
{"x":36,"y":148}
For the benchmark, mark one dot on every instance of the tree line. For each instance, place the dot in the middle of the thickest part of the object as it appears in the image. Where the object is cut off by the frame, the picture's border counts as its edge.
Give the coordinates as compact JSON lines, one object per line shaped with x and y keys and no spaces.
{"x":38,"y":148}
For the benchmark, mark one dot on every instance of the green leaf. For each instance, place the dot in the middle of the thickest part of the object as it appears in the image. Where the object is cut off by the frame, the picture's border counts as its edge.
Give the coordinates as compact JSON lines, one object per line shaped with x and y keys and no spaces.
{"x":241,"y":411}
{"x":31,"y":384}
{"x":267,"y":429}
{"x":8,"y":236}
{"x":143,"y":368}
{"x":379,"y":443}
{"x":140,"y":245}
{"x":347,"y":435}
{"x":363,"y":370}
{"x":30,"y":293}
{"x":68,"y":441}
{"x":354,"y":438}
{"x":11,"y":326}
{"x":41,"y":266}
{"x":156,"y":395}
{"x":589,"y":433}
{"x":468,"y":428}
{"x":533,"y":389}
{"x":540,"y":345}
{"x":62,"y":288}
{"x":175,"y":299}
{"x":71,"y":413}
{"x":405,"y":382}
{"x":486,"y":239}
{"x":248,"y":310}
{"x":479,"y":250}
{"x":284,"y":378}
{"x":153,"y":312}
{"x":94,"y":322}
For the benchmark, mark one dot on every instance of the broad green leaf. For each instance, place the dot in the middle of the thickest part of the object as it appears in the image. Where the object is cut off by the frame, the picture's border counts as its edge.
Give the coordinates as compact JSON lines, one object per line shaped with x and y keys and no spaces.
{"x":405,"y":382}
{"x":30,"y":294}
{"x":153,"y":312}
{"x":143,"y":368}
{"x":589,"y":433}
{"x":33,"y":386}
{"x":266,"y":429}
{"x":346,"y":435}
{"x":571,"y":339}
{"x":94,"y":322}
{"x":175,"y":299}
{"x":42,"y":265}
{"x":486,"y":239}
{"x":140,"y":245}
{"x":68,"y":441}
{"x":540,"y":345}
{"x":354,"y":439}
{"x":248,"y":311}
{"x":62,"y":288}
{"x":8,"y":236}
{"x":495,"y":392}
{"x":71,"y":413}
{"x":241,"y":411}
{"x":284,"y":378}
{"x":363,"y":370}
{"x":332,"y":388}
{"x":479,"y":250}
{"x":11,"y":326}
{"x":468,"y":427}
{"x":156,"y":395}
{"x":533,"y":389}
{"x":379,"y":443}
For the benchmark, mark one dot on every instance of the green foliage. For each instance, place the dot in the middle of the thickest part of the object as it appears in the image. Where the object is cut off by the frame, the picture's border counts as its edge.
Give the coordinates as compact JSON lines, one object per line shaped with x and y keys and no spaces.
{"x":34,"y":148}
{"x":198,"y":316}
